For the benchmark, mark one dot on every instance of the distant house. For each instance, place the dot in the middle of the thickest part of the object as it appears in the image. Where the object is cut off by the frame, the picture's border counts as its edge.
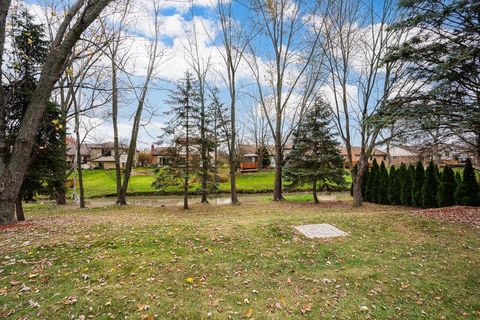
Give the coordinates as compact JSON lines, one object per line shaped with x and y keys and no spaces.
{"x":440,"y":153}
{"x":162,"y":156}
{"x":376,"y":154}
{"x":397,"y":155}
{"x":250,"y":150}
{"x":98,"y":155}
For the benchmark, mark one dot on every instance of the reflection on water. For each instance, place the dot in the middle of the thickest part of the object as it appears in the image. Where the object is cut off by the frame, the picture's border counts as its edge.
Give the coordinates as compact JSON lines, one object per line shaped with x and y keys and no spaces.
{"x":148,"y":202}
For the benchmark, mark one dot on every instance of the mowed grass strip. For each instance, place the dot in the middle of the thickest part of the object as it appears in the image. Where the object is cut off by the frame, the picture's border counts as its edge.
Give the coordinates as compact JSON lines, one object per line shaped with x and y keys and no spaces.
{"x":100,"y":183}
{"x":237,"y":261}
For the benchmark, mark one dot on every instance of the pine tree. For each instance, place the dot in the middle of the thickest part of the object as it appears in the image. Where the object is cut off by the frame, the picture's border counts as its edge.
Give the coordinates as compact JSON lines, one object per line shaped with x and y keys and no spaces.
{"x":28,"y":55}
{"x":383,"y":182}
{"x":184,"y":101}
{"x":417,"y":185}
{"x":443,"y":52}
{"x":467,"y":191}
{"x":315,"y":157}
{"x":429,"y":188}
{"x":406,"y":196}
{"x":372,"y":187}
{"x":446,"y":188}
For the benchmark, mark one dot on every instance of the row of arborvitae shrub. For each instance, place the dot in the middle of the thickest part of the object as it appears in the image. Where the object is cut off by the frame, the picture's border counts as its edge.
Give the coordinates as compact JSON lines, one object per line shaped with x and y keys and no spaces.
{"x":420,"y":187}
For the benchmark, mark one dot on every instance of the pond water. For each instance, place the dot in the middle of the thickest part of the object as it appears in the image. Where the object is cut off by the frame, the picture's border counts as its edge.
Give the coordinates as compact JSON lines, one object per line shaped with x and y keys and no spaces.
{"x":169,"y":201}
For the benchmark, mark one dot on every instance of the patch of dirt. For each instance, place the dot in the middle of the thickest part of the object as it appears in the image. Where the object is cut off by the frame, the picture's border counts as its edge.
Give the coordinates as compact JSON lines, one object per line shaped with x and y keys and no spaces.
{"x":24,"y":224}
{"x":467,"y":215}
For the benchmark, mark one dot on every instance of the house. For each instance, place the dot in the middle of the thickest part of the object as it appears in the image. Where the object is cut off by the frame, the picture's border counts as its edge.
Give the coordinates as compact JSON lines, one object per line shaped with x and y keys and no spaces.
{"x":376,"y":154}
{"x":98,"y":155}
{"x":440,"y":153}
{"x":250,"y":150}
{"x":397,"y":155}
{"x":161,"y":156}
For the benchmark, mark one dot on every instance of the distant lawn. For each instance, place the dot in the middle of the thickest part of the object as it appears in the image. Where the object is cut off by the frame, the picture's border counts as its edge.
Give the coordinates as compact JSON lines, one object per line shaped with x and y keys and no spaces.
{"x":237,"y":262}
{"x":101,"y":183}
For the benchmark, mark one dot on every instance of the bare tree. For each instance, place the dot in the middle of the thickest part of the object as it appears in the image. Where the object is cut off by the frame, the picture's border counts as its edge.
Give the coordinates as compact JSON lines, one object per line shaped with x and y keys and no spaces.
{"x":287,"y":87}
{"x":155,"y":54}
{"x":235,"y":41}
{"x":355,"y":40}
{"x":12,"y":171}
{"x":116,"y":33}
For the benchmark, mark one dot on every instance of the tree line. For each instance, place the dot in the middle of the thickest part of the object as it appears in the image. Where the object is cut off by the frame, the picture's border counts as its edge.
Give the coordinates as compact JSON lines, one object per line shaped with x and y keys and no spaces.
{"x":387,"y":72}
{"x":422,"y":187}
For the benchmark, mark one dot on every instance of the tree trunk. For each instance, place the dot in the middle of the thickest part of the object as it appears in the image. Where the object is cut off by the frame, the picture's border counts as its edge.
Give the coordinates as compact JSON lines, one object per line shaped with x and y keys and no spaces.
{"x":204,"y":151}
{"x":357,"y":179}
{"x":7,"y":210}
{"x":315,"y":197}
{"x":19,"y":209}
{"x":187,"y":160}
{"x":12,"y":175}
{"x":277,"y":187}
{"x":121,"y":196}
{"x":79,"y":155}
{"x":233,"y":155}
{"x":61,"y":169}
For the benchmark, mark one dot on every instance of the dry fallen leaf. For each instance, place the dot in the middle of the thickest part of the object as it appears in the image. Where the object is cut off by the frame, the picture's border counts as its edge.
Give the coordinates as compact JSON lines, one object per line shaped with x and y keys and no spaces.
{"x":306,"y":308}
{"x":70,"y":300}
{"x":142,"y":307}
{"x":249,"y":313}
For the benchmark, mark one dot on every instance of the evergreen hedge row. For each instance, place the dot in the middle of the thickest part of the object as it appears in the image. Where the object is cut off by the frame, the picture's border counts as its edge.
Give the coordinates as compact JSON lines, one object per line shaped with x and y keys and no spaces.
{"x":420,"y":187}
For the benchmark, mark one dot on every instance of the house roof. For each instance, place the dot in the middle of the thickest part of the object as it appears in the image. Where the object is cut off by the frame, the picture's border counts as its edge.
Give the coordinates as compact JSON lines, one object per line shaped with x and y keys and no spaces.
{"x":396,"y":151}
{"x":86,"y":148}
{"x":162,"y":151}
{"x":357,"y":150}
{"x":247,"y":149}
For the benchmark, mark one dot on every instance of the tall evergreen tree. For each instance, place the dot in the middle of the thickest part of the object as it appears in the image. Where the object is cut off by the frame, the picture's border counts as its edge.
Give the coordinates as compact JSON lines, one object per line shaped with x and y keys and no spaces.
{"x":28,"y":54}
{"x":446,"y":188}
{"x":467,"y":190}
{"x":182,"y":129}
{"x":315,"y":157}
{"x":395,"y":185}
{"x":366,"y":176}
{"x":443,"y":53}
{"x":372,"y":187}
{"x":406,"y":196}
{"x":429,"y":188}
{"x":417,"y":185}
{"x":383,"y":182}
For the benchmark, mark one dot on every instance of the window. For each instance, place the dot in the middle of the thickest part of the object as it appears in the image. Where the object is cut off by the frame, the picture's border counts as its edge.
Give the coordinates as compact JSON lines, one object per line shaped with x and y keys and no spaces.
{"x":107,"y":152}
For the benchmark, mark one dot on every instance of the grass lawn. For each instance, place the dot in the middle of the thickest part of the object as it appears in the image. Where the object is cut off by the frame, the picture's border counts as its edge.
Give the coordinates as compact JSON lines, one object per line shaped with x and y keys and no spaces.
{"x":100,"y":183}
{"x":237,"y":262}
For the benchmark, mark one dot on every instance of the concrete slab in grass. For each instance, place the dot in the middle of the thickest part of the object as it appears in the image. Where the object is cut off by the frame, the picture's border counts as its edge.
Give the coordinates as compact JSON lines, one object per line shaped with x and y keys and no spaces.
{"x":323,"y":230}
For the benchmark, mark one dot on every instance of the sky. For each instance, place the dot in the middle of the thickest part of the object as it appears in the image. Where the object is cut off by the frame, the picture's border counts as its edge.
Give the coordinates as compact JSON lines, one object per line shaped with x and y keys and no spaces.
{"x":177,"y":18}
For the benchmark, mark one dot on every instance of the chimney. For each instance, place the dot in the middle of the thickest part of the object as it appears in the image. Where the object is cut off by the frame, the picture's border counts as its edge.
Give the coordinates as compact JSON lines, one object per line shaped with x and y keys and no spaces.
{"x":152,"y":148}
